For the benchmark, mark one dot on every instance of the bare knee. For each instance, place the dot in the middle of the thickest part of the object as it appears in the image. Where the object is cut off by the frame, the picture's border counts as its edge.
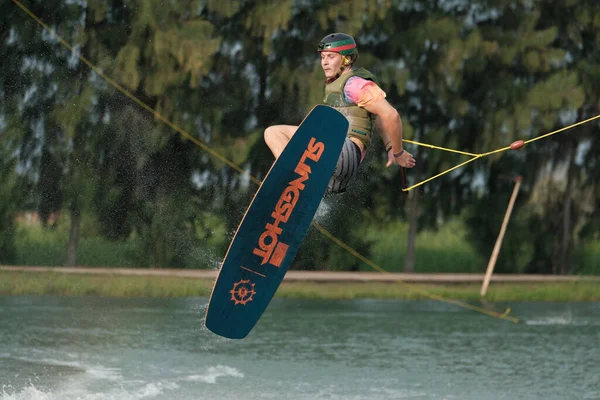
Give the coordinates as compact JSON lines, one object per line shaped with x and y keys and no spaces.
{"x":279,"y":133}
{"x":270,"y":133}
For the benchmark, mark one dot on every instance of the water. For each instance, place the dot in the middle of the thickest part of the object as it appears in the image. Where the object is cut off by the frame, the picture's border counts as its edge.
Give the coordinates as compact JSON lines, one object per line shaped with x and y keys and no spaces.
{"x":96,"y":348}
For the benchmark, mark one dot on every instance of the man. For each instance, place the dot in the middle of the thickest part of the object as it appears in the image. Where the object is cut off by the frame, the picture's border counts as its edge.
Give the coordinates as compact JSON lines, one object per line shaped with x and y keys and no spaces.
{"x":356,"y":94}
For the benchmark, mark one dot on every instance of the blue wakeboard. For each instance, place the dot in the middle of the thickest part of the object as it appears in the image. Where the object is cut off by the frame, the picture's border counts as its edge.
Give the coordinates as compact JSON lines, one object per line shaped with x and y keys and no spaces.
{"x":275,"y":224}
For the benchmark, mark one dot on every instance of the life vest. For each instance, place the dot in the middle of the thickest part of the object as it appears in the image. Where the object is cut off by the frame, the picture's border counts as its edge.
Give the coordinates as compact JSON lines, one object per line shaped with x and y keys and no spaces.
{"x":361,"y":121}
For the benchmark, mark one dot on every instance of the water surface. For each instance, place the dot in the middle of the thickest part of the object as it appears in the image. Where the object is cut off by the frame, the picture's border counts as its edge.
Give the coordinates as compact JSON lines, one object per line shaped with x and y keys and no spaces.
{"x":99,"y":348}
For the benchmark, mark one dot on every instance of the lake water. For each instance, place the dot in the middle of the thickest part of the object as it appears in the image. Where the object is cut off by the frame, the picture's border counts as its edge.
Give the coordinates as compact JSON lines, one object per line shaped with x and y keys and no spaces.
{"x":96,"y":348}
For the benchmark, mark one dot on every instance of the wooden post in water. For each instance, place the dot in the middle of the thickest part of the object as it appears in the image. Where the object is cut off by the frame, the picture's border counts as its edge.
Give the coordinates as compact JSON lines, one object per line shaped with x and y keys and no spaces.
{"x":494,"y":256}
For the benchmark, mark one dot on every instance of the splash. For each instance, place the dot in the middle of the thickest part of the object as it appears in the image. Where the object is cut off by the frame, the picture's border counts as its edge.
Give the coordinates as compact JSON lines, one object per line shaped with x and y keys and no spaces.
{"x":213,"y":373}
{"x":323,"y":211}
{"x":146,"y":391}
{"x":29,"y":393}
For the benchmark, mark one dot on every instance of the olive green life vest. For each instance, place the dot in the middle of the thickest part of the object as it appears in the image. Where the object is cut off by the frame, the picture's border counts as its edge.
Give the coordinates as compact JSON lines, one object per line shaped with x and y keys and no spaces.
{"x":361,"y":121}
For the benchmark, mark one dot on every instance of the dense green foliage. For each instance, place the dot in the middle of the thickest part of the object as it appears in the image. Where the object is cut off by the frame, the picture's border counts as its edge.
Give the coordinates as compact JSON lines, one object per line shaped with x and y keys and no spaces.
{"x":473,"y":75}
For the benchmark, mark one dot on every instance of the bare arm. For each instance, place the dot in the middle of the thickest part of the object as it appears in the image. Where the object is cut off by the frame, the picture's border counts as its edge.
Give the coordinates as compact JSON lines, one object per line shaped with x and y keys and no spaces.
{"x":389,"y":124}
{"x":385,"y":138}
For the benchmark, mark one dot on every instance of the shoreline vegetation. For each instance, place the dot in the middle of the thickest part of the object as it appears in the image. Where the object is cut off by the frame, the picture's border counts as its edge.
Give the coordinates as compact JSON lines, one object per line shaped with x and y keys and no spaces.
{"x":447,"y":250}
{"x":175,"y":283}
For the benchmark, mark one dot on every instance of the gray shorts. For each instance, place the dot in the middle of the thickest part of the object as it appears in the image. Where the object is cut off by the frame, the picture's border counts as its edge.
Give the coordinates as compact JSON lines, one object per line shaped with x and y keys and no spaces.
{"x":346,"y":167}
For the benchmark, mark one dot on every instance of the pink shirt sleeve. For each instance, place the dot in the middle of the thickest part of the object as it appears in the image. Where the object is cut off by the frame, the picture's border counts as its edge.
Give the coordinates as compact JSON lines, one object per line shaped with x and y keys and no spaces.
{"x":362,"y":92}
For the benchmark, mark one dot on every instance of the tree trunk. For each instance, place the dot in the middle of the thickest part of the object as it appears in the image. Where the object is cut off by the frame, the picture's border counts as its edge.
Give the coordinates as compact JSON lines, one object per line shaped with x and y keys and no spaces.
{"x":565,"y":248}
{"x":413,"y":199}
{"x":261,"y":109}
{"x":73,"y":236}
{"x":409,"y":260}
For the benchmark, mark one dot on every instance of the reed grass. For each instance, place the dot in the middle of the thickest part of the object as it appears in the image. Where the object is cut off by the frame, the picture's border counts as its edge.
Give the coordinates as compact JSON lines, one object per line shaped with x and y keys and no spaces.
{"x":112,"y":285}
{"x":445,"y":251}
{"x":46,"y":247}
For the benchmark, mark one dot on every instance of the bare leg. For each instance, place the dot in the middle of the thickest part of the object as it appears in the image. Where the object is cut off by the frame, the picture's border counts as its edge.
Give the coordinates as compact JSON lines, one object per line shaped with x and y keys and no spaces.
{"x":278,"y":136}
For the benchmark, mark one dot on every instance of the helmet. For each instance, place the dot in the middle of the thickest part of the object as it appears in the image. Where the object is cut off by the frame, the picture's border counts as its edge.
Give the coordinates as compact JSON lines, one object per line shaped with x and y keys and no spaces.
{"x":338,"y":43}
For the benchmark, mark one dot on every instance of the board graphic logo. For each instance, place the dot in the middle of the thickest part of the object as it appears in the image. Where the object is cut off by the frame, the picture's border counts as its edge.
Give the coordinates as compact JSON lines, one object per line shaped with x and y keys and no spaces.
{"x":242,"y":292}
{"x":269,"y":247}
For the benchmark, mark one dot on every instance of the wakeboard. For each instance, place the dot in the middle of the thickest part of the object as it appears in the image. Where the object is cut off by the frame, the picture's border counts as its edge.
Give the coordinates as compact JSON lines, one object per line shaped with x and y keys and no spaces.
{"x":275,"y":224}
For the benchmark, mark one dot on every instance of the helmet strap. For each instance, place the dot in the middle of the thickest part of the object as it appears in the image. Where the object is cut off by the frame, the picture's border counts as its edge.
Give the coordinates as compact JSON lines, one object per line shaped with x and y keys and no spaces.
{"x":346,"y":61}
{"x":338,"y":74}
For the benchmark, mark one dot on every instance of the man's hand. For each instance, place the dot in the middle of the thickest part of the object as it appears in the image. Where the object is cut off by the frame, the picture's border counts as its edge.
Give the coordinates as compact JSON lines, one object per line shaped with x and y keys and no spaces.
{"x":390,"y":160}
{"x":403,"y":159}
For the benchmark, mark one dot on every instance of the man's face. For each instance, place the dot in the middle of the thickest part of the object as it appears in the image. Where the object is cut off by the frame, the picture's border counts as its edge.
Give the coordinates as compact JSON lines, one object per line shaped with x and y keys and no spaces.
{"x":331,"y":63}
